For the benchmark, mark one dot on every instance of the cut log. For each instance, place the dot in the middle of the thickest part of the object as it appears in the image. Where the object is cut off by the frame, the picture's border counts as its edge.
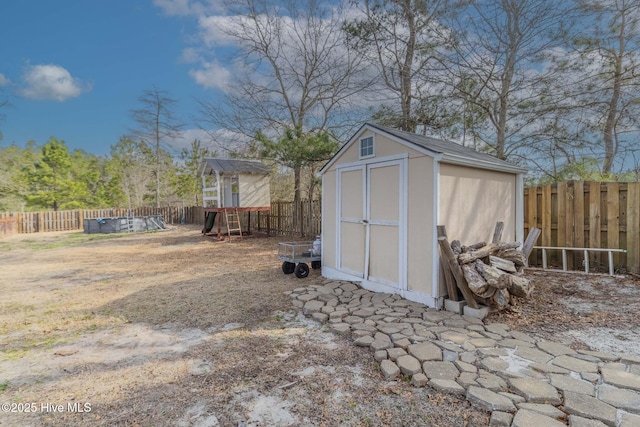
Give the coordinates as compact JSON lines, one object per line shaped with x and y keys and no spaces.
{"x":473,"y":247}
{"x":483,"y":252}
{"x":518,"y":286}
{"x":512,"y":255}
{"x":450,"y":257}
{"x":502,"y":264}
{"x":456,"y":246}
{"x":490,"y":274}
{"x":500,"y":299}
{"x":487,"y":294}
{"x":497,"y":234}
{"x":476,"y":282}
{"x":502,"y":246}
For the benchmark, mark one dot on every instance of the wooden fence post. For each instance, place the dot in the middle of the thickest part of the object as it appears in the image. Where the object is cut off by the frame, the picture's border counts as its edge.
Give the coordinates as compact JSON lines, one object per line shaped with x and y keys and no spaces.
{"x":613,"y":219}
{"x":633,"y":227}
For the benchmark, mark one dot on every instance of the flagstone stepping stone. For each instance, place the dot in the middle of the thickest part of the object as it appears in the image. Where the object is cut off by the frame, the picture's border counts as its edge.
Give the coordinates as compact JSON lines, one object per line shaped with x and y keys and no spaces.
{"x":553,"y":348}
{"x":500,"y":419}
{"x":574,"y":364}
{"x":621,"y":379}
{"x":425,"y":351}
{"x":535,"y":391}
{"x":589,"y":407}
{"x":440,"y":370}
{"x":576,"y":421}
{"x":567,"y":383}
{"x":389,"y":369}
{"x":409,"y":365}
{"x":447,"y":386}
{"x":527,"y":418}
{"x":620,"y":398}
{"x":542,"y":408}
{"x":489,"y":400}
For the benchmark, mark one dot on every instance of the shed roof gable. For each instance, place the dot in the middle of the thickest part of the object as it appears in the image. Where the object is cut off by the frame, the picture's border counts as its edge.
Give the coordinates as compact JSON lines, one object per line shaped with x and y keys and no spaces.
{"x":446,"y":151}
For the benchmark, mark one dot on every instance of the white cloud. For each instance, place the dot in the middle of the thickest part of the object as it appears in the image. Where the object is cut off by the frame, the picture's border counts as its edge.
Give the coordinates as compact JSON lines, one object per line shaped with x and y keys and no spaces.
{"x":177,"y":7}
{"x":4,"y":81}
{"x":190,"y":55}
{"x":212,"y":75}
{"x":214,"y":30}
{"x":189,"y":7}
{"x":51,"y":82}
{"x":189,"y":135}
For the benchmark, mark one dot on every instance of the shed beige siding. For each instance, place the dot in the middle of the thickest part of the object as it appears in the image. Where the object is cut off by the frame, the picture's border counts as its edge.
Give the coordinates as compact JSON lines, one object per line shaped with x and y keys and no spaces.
{"x":420,"y":224}
{"x":472,"y":200}
{"x":254,"y":190}
{"x":329,"y":225}
{"x":383,"y":146}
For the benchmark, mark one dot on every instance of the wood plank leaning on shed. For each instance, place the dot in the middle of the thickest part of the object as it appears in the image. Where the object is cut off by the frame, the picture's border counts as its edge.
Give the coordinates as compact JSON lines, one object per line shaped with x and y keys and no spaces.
{"x":452,"y":290}
{"x":451,"y":259}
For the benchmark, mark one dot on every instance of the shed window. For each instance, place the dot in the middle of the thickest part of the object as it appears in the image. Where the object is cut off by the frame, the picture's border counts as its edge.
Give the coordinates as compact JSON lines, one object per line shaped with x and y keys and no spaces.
{"x":366,"y":147}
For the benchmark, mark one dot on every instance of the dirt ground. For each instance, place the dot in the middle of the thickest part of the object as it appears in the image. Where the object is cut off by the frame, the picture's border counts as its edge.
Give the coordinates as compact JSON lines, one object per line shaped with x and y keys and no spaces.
{"x":172,"y":328}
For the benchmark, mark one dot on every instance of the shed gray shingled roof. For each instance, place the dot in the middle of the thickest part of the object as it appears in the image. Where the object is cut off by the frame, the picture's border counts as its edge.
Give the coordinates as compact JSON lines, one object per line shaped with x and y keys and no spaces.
{"x":234,"y":165}
{"x":447,"y":148}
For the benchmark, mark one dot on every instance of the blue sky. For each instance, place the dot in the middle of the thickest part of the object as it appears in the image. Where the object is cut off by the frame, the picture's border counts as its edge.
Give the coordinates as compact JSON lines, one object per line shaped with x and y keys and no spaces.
{"x":74,"y":69}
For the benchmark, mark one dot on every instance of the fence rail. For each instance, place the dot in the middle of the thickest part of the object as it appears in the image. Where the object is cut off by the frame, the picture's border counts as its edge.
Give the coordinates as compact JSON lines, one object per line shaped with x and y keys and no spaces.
{"x":284,"y":219}
{"x":579,"y":214}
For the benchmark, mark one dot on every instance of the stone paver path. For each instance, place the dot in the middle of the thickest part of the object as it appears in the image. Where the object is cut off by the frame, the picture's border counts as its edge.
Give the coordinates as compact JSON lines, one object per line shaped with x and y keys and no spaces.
{"x":521,"y":380}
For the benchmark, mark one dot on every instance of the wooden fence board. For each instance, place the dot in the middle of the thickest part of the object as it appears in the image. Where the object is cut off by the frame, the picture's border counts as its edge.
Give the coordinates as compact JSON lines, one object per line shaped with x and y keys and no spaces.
{"x":532,"y":213}
{"x":562,"y":214}
{"x":633,"y":227}
{"x":579,"y":224}
{"x":546,"y":215}
{"x":594,"y":219}
{"x":613,"y":218}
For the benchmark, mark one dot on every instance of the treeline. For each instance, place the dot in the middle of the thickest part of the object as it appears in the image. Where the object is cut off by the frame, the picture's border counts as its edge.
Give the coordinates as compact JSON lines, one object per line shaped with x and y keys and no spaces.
{"x":51,"y":176}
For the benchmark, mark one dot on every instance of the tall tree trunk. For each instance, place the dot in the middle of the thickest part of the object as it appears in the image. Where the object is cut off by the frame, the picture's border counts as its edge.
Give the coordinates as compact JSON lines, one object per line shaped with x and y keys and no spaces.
{"x":297,"y":212}
{"x":408,"y":124}
{"x":610,"y":147}
{"x":514,"y":34}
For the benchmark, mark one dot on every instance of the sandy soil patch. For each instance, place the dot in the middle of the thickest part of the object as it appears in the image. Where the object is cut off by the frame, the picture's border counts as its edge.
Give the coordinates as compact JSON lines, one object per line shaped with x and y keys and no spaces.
{"x":173,"y":328}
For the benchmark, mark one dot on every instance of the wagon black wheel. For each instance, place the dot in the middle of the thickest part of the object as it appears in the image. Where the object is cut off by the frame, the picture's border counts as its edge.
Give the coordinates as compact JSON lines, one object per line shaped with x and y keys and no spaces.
{"x":316,"y":265}
{"x":302,"y":270}
{"x":288,"y":267}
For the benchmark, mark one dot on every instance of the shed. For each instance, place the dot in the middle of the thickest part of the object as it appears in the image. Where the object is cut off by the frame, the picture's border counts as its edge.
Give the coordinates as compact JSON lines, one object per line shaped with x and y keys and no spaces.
{"x":385,"y":191}
{"x":237,"y":185}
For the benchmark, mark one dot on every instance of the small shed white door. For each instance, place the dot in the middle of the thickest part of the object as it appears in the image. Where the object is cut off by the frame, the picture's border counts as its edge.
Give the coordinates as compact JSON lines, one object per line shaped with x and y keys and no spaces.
{"x":371,"y":222}
{"x":351,"y":232}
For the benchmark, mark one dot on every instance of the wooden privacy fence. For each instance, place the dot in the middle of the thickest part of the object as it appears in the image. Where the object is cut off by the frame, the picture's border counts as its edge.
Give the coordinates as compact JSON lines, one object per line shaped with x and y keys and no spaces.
{"x":578,"y":214}
{"x":285,"y":219}
{"x":44,"y":221}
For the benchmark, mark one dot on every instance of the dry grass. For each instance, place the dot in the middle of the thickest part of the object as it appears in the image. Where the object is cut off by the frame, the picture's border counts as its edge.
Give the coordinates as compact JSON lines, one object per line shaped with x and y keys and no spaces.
{"x":564,"y":302}
{"x":173,"y":328}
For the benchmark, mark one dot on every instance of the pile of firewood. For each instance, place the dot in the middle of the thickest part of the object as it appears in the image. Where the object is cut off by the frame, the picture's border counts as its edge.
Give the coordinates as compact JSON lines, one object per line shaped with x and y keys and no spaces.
{"x":487,"y":273}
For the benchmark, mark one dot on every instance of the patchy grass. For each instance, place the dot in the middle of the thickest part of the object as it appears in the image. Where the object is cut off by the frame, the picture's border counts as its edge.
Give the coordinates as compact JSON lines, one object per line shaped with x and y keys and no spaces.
{"x":129,"y":321}
{"x":55,"y":240}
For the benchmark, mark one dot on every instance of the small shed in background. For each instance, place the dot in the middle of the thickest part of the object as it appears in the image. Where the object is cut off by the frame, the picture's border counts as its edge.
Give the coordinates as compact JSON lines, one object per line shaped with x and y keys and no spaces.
{"x":236,"y":185}
{"x":383,"y":195}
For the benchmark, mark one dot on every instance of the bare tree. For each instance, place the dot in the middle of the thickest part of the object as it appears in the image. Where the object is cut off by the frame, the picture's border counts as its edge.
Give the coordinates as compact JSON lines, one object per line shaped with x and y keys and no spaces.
{"x":402,"y":39}
{"x":157,"y":125}
{"x":293,"y":73}
{"x":609,"y":60}
{"x":499,"y":70}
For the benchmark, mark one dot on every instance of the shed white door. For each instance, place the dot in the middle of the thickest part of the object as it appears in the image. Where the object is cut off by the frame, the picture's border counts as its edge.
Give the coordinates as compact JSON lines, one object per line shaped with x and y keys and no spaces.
{"x":371,"y":222}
